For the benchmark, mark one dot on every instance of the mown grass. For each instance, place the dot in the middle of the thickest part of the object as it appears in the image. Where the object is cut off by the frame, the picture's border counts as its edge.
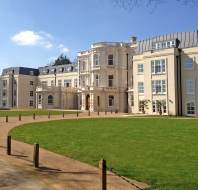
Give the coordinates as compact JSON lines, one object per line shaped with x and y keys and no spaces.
{"x":162,"y":152}
{"x":28,"y":112}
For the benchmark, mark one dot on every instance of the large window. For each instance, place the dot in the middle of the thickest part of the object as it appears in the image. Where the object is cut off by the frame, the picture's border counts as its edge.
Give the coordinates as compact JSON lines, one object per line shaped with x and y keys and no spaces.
{"x":159,"y":106}
{"x":110,"y":79}
{"x":59,"y":82}
{"x":188,"y":64}
{"x":191,"y":108}
{"x":110,"y":59}
{"x":158,"y":66}
{"x":31,"y":93}
{"x":96,"y":59}
{"x":67,"y":83}
{"x":140,"y":68}
{"x":97,"y":80}
{"x":50,"y":100}
{"x":190,"y":87}
{"x":140,"y":87}
{"x":111,"y":100}
{"x":158,"y":86}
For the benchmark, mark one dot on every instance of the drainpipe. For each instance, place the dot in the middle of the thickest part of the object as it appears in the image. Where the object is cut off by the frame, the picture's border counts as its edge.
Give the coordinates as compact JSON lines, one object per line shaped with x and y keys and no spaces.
{"x":127,"y":62}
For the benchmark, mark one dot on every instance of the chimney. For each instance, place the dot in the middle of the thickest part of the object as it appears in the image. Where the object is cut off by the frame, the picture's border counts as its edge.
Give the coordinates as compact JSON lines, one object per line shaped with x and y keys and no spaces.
{"x":133,"y":40}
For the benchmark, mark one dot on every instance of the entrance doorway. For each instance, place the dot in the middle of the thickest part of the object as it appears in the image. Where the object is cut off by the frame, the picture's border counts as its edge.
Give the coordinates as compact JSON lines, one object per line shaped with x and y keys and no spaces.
{"x":87,"y":102}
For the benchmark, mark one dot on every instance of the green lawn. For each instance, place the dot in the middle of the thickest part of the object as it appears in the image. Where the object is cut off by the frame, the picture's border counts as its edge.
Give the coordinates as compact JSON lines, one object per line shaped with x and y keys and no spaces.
{"x":27,"y":112}
{"x":160,"y":151}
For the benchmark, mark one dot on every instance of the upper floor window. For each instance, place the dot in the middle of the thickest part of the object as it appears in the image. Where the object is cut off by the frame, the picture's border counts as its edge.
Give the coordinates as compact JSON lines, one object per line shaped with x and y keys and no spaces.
{"x":190,"y":87}
{"x":110,"y":59}
{"x":75,"y":83}
{"x":141,"y":87}
{"x":140,"y":68}
{"x":4,"y":83}
{"x":158,"y":86}
{"x":110,"y":79}
{"x":83,"y":66}
{"x":59,"y":82}
{"x":44,"y":83}
{"x":188,"y":64}
{"x":158,"y":66}
{"x":97,"y":80}
{"x":52,"y":83}
{"x":31,"y":93}
{"x":67,"y":83}
{"x":31,"y":83}
{"x":96,"y":60}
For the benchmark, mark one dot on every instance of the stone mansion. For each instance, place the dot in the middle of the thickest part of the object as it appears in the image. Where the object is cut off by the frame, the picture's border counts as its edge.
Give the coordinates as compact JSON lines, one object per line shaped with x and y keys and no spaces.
{"x":117,"y":76}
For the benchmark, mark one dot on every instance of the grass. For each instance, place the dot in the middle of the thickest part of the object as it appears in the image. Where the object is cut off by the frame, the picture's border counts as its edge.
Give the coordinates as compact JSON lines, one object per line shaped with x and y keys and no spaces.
{"x":162,"y":152}
{"x":28,"y":112}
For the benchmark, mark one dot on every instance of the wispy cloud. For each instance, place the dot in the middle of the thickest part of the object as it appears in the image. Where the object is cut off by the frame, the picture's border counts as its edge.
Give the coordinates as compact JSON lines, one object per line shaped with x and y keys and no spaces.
{"x":31,"y":38}
{"x":63,"y":49}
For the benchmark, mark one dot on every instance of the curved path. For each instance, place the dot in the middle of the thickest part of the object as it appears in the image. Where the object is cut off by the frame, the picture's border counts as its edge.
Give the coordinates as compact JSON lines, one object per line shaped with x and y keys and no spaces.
{"x":56,"y":172}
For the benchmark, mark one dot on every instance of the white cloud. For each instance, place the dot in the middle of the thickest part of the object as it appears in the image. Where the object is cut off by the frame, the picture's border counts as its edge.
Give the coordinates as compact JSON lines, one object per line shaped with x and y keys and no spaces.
{"x":63,"y":49}
{"x":31,"y":38}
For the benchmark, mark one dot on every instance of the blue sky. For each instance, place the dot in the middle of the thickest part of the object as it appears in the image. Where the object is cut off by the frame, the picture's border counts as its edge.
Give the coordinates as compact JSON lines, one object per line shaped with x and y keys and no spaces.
{"x":33,"y":32}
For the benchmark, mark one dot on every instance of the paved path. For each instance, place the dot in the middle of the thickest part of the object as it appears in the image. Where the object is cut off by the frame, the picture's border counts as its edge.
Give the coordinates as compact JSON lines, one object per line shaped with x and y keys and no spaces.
{"x":56,"y":172}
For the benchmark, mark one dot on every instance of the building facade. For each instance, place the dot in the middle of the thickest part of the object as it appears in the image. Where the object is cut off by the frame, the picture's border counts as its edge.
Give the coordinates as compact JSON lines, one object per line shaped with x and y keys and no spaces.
{"x":154,"y":76}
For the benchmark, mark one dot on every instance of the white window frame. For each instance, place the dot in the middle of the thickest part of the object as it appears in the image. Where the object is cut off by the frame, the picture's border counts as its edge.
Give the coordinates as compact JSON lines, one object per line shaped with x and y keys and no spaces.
{"x":158,"y":64}
{"x":141,"y":87}
{"x":188,"y":66}
{"x":158,"y":86}
{"x":190,"y":110}
{"x":96,"y":60}
{"x":140,"y":68}
{"x":190,"y":86}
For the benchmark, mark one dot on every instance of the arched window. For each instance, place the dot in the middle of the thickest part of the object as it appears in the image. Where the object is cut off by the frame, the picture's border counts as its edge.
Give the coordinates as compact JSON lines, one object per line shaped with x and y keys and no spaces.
{"x":50,"y":99}
{"x":190,"y":108}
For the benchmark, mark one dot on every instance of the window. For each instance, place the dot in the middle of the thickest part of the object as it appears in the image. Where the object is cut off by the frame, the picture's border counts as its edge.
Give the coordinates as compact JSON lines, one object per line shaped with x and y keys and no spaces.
{"x":96,"y":59}
{"x":140,"y":68}
{"x":110,"y":59}
{"x":4,"y":83}
{"x":31,"y":103}
{"x":188,"y":64}
{"x":141,"y":87}
{"x":132,"y":99}
{"x":111,"y":100}
{"x":4,"y":93}
{"x":190,"y":87}
{"x":159,"y":106}
{"x":59,"y":82}
{"x":31,"y":93}
{"x":191,"y":108}
{"x":15,"y":92}
{"x":110,"y":77}
{"x":141,"y":106}
{"x":67,"y":83}
{"x":50,"y":100}
{"x":98,"y":100}
{"x":52,"y":82}
{"x":44,"y":83}
{"x":83,"y":66}
{"x":39,"y":99}
{"x":158,"y":86}
{"x":158,"y":66}
{"x":75,"y":83}
{"x":31,"y":83}
{"x":4,"y":103}
{"x":97,"y":80}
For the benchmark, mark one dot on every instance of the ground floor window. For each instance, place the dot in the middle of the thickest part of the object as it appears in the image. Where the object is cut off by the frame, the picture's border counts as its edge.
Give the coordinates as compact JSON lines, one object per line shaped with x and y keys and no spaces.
{"x":50,"y":100}
{"x":39,"y":99}
{"x":141,"y":106}
{"x":191,"y":108}
{"x":98,"y":100}
{"x":31,"y":103}
{"x":111,"y":100}
{"x":132,"y":99}
{"x":159,"y":106}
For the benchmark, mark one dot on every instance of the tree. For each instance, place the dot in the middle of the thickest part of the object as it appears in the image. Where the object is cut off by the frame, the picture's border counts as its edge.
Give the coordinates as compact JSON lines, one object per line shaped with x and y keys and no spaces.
{"x":131,"y":4}
{"x":160,"y":105}
{"x":62,"y":60}
{"x":143,"y":105}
